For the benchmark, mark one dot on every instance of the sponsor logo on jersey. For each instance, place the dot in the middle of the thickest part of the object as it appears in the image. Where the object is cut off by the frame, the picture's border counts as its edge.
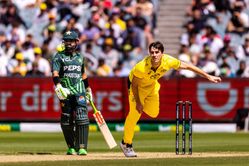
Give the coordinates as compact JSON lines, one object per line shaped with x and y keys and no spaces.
{"x":72,"y":75}
{"x":163,"y":71}
{"x":155,"y":76}
{"x":72,"y":68}
{"x":81,"y":98}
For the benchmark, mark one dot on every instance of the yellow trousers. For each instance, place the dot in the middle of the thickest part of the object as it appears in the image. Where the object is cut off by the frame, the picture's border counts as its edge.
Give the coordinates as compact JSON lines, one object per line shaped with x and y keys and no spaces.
{"x":149,"y":98}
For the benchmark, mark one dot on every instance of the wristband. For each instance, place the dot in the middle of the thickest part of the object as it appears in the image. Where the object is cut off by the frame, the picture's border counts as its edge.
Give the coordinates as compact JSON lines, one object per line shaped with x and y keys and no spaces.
{"x":86,"y":84}
{"x":56,"y":80}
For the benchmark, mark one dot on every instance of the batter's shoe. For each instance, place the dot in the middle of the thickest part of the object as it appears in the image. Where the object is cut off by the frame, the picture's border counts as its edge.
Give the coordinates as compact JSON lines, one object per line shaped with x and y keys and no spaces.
{"x":82,"y":152}
{"x":127,"y":150}
{"x":71,"y":151}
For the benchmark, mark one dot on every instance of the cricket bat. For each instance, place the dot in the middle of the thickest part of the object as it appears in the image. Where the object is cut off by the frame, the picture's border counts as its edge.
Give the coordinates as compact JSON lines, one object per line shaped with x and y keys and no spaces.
{"x":103,"y":127}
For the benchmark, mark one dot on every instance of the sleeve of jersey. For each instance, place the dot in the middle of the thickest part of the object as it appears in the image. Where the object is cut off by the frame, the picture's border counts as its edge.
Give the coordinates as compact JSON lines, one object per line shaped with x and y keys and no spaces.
{"x":174,"y":62}
{"x":138,"y":71}
{"x":56,"y":64}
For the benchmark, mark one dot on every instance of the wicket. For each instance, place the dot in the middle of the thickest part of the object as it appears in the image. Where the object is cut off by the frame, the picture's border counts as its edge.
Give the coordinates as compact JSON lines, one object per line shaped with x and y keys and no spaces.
{"x":184,"y":105}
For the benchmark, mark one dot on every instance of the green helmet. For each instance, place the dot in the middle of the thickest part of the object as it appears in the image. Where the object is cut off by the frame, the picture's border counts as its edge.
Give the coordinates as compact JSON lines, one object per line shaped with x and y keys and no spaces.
{"x":70,"y":41}
{"x":70,"y":35}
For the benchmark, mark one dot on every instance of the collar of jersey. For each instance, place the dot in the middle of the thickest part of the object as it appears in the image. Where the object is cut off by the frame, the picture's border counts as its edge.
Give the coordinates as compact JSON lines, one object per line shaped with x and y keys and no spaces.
{"x":72,"y":55}
{"x":150,"y":65}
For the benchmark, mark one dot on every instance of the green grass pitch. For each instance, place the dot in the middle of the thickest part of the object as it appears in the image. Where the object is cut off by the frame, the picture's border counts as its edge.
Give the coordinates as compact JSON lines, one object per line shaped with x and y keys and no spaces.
{"x":18,"y":143}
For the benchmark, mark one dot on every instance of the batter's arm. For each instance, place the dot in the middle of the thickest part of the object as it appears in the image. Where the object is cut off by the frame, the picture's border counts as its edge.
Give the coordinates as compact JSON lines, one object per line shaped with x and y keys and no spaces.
{"x":55,"y":73}
{"x":200,"y":72}
{"x":84,"y":75}
{"x":89,"y":94}
{"x":134,"y":85}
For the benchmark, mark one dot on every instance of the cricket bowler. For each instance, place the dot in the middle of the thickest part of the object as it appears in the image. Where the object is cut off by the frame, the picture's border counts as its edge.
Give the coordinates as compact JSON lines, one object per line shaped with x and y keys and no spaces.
{"x":144,"y":89}
{"x":71,"y":87}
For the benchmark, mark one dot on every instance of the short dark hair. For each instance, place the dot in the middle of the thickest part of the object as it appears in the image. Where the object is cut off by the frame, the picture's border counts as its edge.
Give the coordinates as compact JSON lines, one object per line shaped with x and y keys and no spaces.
{"x":158,"y":45}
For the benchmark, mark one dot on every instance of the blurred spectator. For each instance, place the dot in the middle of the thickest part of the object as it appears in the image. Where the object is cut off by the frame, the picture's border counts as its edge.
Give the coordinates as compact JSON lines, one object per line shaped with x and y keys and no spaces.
{"x":91,"y":60}
{"x":211,"y":68}
{"x":207,"y":62}
{"x":3,"y":67}
{"x":147,"y":9}
{"x":72,"y":25}
{"x":11,"y":16}
{"x":130,"y":56}
{"x":110,"y":55}
{"x":192,"y":39}
{"x":103,"y":69}
{"x":41,"y":63}
{"x":91,"y":33}
{"x":208,"y":8}
{"x":222,"y":26}
{"x":16,"y":34}
{"x":242,"y":52}
{"x":25,"y":25}
{"x":18,"y":66}
{"x":197,"y":20}
{"x":225,"y":71}
{"x":40,"y":21}
{"x":241,"y":70}
{"x":7,"y":50}
{"x":121,"y":70}
{"x":35,"y":71}
{"x":132,"y":35}
{"x":225,"y":48}
{"x":246,"y":72}
{"x":222,"y":6}
{"x":185,"y":56}
{"x":52,"y":39}
{"x":230,"y":58}
{"x":118,"y":20}
{"x":239,"y":21}
{"x":2,"y":37}
{"x":143,"y":24}
{"x":28,"y":54}
{"x":139,"y":19}
{"x":64,"y":10}
{"x":212,"y":40}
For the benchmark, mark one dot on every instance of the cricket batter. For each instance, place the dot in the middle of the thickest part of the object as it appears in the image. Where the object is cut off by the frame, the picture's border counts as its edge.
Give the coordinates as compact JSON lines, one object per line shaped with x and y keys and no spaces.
{"x":144,"y":89}
{"x":72,"y":86}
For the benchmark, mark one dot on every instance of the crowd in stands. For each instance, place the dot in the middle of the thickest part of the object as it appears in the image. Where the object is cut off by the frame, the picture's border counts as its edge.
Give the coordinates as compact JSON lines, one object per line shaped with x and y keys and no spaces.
{"x":114,"y":34}
{"x":217,"y":38}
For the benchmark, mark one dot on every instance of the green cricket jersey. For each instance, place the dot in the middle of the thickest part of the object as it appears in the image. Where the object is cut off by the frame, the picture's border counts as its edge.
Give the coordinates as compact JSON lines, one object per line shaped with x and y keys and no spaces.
{"x":70,"y":68}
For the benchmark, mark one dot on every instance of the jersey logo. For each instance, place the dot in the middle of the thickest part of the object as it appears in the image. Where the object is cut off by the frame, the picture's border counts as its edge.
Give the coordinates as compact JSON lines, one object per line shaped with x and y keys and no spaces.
{"x":155,"y":76}
{"x":72,"y":68}
{"x":67,"y":60}
{"x":68,"y":33}
{"x":81,"y":98}
{"x":163,"y":70}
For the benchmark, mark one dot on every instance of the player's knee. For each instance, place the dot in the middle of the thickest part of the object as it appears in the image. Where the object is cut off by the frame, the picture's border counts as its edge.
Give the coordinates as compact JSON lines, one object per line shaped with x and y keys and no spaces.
{"x":81,"y":116}
{"x":66,"y":122}
{"x":65,"y":119}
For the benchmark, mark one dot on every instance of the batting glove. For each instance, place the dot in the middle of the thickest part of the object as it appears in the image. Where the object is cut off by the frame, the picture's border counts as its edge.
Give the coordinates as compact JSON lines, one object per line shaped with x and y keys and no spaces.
{"x":89,"y":94}
{"x":61,"y":92}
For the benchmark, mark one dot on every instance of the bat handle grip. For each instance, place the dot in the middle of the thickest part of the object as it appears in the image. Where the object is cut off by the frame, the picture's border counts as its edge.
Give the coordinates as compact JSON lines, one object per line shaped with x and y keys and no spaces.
{"x":93,"y":106}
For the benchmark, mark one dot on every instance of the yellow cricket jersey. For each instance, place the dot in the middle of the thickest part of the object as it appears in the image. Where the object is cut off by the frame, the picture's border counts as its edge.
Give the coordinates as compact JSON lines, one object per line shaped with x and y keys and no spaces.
{"x":149,"y":77}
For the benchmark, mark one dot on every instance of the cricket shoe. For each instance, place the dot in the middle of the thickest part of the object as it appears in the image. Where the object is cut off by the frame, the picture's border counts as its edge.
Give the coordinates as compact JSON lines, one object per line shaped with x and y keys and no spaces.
{"x":82,"y":152}
{"x":71,"y":151}
{"x":127,"y":150}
